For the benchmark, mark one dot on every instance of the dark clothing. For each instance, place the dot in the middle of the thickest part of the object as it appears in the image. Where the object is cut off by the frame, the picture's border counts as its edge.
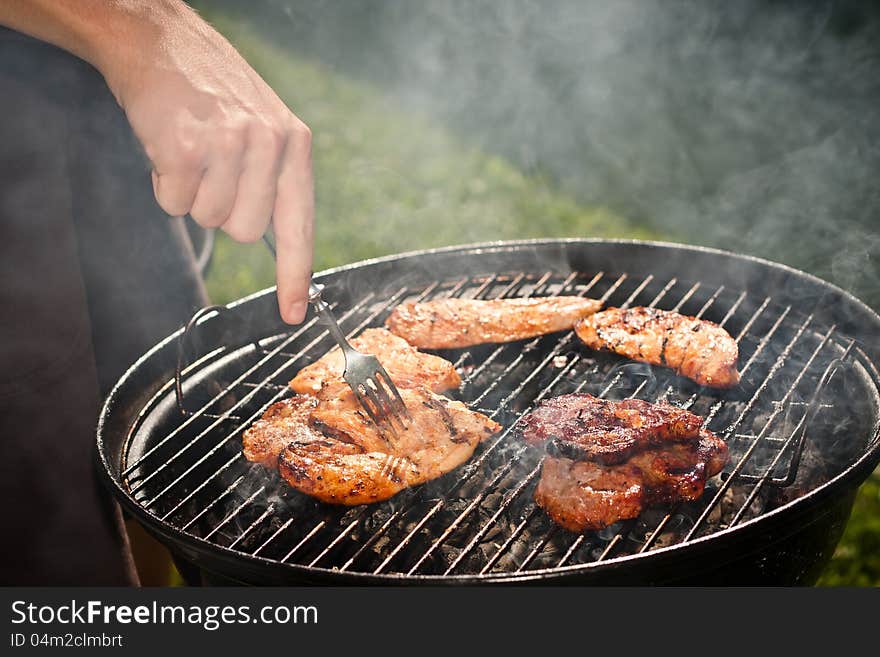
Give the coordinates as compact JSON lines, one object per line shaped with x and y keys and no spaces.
{"x":92,"y":273}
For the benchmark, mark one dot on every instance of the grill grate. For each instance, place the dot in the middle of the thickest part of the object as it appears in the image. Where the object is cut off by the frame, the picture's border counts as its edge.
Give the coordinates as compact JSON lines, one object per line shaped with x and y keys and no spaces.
{"x":187,"y":468}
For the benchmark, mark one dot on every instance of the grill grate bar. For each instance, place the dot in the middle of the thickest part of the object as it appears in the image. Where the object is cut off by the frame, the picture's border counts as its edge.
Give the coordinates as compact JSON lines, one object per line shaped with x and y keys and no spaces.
{"x":662,"y":293}
{"x":234,"y":512}
{"x":259,"y":412}
{"x":197,"y":413}
{"x":538,"y":548}
{"x":265,"y":514}
{"x":514,"y":535}
{"x":223,"y":494}
{"x":468,"y":510}
{"x":336,"y":541}
{"x":687,"y":295}
{"x":571,"y":550}
{"x":196,"y":490}
{"x":372,"y":540}
{"x":508,"y":500}
{"x":754,"y":318}
{"x":830,"y":370}
{"x":780,"y":361}
{"x":747,"y":454}
{"x":274,"y":535}
{"x":733,"y":308}
{"x":305,"y":539}
{"x":618,"y":537}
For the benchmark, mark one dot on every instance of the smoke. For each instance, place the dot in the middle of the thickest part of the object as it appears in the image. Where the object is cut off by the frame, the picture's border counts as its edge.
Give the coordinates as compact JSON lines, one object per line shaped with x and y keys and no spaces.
{"x":748,"y":125}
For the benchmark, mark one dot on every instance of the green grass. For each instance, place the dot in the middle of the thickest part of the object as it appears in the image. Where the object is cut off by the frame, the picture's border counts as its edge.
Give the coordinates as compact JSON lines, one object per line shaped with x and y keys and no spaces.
{"x":388,"y":181}
{"x":856,"y":561}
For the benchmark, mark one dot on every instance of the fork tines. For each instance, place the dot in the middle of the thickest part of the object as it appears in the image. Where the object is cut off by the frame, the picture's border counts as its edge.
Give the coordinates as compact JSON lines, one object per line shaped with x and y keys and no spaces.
{"x":380,"y":398}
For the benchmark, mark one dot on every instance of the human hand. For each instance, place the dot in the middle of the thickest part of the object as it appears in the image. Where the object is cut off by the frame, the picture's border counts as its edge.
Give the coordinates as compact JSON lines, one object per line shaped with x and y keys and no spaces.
{"x":224,"y":148}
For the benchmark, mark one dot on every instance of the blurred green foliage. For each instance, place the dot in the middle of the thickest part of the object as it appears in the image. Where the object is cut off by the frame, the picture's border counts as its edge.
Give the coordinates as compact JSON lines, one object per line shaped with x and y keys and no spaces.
{"x":389,"y":181}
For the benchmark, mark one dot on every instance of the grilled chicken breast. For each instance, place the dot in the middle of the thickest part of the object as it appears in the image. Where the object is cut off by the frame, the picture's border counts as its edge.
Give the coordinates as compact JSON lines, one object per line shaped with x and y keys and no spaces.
{"x":695,"y":348}
{"x":455,"y":323}
{"x":584,"y":427}
{"x":342,"y":473}
{"x":329,"y":449}
{"x":584,"y":495}
{"x":282,"y":423}
{"x":407,"y":366}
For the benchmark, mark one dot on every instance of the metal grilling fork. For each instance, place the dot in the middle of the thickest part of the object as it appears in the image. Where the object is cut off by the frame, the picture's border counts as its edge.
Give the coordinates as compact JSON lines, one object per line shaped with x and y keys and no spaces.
{"x":368,"y":380}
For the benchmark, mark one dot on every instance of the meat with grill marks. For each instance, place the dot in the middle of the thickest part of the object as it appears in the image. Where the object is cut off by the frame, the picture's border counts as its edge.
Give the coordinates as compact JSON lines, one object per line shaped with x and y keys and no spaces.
{"x":337,"y":455}
{"x":282,"y":423}
{"x":407,"y":366}
{"x":584,"y":427}
{"x":609,"y":460}
{"x":585,"y":495}
{"x":696,"y":348}
{"x":456,"y":323}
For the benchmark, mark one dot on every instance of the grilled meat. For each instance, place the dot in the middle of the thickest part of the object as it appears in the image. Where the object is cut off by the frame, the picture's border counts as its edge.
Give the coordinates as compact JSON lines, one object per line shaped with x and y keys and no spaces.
{"x":584,"y":427}
{"x":407,"y":366}
{"x":454,"y":323}
{"x":342,"y":473}
{"x":611,"y":459}
{"x":584,"y":495}
{"x":334,"y":452}
{"x":282,"y":423}
{"x":695,"y":348}
{"x":440,"y":435}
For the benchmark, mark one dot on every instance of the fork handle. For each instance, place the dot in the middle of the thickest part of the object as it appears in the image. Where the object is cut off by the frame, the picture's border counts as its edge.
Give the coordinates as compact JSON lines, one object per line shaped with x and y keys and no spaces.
{"x":321,"y":306}
{"x":326,"y":317}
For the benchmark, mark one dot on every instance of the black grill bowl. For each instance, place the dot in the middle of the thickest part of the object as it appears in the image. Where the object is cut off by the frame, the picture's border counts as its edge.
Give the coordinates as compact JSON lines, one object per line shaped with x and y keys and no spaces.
{"x":803,"y":429}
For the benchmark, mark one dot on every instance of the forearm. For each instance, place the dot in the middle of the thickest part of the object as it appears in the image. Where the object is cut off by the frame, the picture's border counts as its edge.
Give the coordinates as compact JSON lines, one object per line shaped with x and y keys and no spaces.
{"x":105,"y":33}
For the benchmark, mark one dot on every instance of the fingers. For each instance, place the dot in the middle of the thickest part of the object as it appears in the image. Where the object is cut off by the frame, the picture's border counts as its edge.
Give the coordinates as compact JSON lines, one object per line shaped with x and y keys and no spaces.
{"x":255,"y":197}
{"x":241,"y":177}
{"x":175,"y":192}
{"x":293,"y":218}
{"x":217,"y":192}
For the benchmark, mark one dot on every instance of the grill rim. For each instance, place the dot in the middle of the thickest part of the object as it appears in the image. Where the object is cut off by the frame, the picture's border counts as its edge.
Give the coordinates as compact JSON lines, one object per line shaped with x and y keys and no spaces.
{"x":197,"y":547}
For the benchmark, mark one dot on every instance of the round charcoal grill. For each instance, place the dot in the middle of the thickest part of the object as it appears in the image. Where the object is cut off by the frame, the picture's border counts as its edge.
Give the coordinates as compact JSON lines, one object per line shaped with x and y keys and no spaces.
{"x":802,"y":428}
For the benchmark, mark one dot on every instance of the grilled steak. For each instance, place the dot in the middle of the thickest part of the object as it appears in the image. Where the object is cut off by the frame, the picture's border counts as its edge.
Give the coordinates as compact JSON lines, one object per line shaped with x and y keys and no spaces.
{"x":407,"y":366}
{"x":695,"y":348}
{"x":455,"y":323}
{"x":335,"y":453}
{"x":584,"y":495}
{"x":611,"y":459}
{"x":584,"y":427}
